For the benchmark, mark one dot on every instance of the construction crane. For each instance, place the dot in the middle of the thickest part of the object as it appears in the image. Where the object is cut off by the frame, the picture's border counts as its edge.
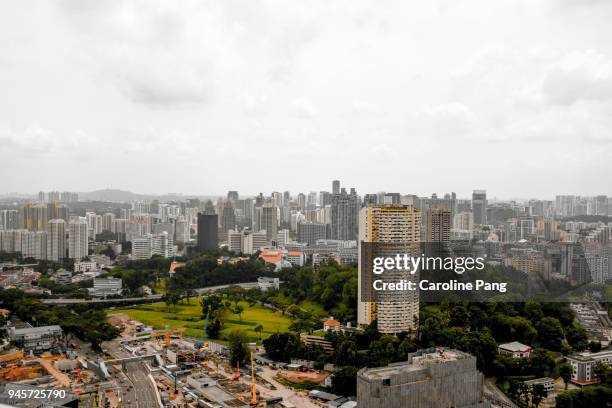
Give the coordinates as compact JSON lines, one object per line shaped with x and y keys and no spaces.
{"x":201,"y":341}
{"x":253,"y":387}
{"x":169,"y":334}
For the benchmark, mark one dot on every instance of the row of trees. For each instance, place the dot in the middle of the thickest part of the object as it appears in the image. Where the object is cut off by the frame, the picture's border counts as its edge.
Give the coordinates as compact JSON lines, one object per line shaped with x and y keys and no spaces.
{"x":86,"y":323}
{"x":476,"y":328}
{"x":205,"y":271}
{"x":333,"y":287}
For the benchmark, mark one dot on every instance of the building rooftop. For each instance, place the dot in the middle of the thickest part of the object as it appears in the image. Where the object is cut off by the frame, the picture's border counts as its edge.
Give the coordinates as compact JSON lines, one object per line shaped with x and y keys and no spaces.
{"x":40,"y":329}
{"x":588,"y":356}
{"x":416,"y":361}
{"x":539,"y":381}
{"x":515,"y":346}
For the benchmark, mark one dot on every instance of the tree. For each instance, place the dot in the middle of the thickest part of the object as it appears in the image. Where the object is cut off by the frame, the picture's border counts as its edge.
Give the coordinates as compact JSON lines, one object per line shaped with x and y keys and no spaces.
{"x":576,"y":337}
{"x":565,"y":371}
{"x":603,"y":372}
{"x":550,"y":333}
{"x":538,"y":393}
{"x":346,"y":353}
{"x":292,"y":310}
{"x":595,"y":346}
{"x":542,"y":363}
{"x":513,"y":389}
{"x":282,"y":346}
{"x":214,"y":328}
{"x":258,"y":329}
{"x":344,"y":381}
{"x":108,"y":251}
{"x":237,"y":348}
{"x":238,"y":309}
{"x":173,"y":297}
{"x":522,"y":391}
{"x":592,"y":397}
{"x":211,"y":303}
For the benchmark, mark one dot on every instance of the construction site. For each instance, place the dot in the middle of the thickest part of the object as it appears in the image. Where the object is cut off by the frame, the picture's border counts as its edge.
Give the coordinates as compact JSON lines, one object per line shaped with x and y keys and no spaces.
{"x":192,"y":372}
{"x":144,"y":367}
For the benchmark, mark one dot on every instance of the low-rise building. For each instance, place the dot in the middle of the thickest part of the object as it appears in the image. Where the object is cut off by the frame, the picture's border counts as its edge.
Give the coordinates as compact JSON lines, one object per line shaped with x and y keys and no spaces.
{"x":583,"y":363}
{"x":546,"y":382}
{"x":275,"y":257}
{"x":331,"y":324}
{"x":174,"y":266}
{"x":35,"y":338}
{"x":62,"y":277}
{"x":515,"y":349}
{"x":265,"y":283}
{"x":296,"y":258}
{"x":104,"y":287}
{"x":21,"y":277}
{"x":312,"y":340}
{"x":85,"y":266}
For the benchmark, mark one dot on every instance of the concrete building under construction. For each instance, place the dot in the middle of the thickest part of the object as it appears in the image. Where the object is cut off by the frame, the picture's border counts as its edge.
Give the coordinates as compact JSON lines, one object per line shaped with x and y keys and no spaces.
{"x":431,"y":378}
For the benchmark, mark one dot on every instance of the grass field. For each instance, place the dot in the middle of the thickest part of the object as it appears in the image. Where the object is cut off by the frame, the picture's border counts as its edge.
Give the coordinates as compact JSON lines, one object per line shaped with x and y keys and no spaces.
{"x":189,"y":316}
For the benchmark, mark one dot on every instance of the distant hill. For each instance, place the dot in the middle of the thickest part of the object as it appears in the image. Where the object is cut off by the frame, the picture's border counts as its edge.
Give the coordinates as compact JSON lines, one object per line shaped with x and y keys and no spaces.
{"x":115,"y":195}
{"x":111,"y":195}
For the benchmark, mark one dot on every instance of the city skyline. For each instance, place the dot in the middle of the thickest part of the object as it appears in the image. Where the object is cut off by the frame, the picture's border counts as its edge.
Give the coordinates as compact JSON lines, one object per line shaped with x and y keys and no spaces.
{"x":169,"y":196}
{"x":160,"y":97}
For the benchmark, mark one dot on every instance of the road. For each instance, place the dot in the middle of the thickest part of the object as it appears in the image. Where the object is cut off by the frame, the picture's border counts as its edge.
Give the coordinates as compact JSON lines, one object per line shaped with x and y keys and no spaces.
{"x":70,"y":301}
{"x":498,"y":396}
{"x":243,"y":285}
{"x":143,"y":393}
{"x":136,"y":388}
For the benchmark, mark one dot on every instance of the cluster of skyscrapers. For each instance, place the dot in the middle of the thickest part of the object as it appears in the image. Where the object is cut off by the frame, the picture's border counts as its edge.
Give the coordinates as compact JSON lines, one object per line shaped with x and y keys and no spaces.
{"x":549,"y":237}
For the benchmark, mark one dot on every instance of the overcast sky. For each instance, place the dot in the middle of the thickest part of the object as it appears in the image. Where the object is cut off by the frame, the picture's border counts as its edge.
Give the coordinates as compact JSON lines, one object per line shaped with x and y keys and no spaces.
{"x":201,"y":97}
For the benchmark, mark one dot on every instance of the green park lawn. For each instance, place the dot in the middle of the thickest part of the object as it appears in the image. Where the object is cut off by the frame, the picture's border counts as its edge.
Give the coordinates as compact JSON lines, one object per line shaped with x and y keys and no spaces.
{"x":189,"y":316}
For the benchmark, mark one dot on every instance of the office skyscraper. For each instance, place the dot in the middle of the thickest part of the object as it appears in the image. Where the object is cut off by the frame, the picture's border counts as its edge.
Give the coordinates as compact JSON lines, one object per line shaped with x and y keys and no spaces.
{"x":301,"y":199}
{"x":207,"y":232}
{"x":228,"y":220}
{"x":336,"y":187}
{"x":209,"y":207}
{"x":438,"y":224}
{"x":479,"y":207}
{"x":77,"y":239}
{"x":310,"y":232}
{"x":325,"y":198}
{"x":269,"y":222}
{"x":233,"y":197}
{"x":397,"y":228}
{"x":344,"y":216}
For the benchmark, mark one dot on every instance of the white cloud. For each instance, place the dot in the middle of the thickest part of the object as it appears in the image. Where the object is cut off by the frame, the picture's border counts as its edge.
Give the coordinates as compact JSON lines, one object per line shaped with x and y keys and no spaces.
{"x":344,"y":89}
{"x":579,"y":76}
